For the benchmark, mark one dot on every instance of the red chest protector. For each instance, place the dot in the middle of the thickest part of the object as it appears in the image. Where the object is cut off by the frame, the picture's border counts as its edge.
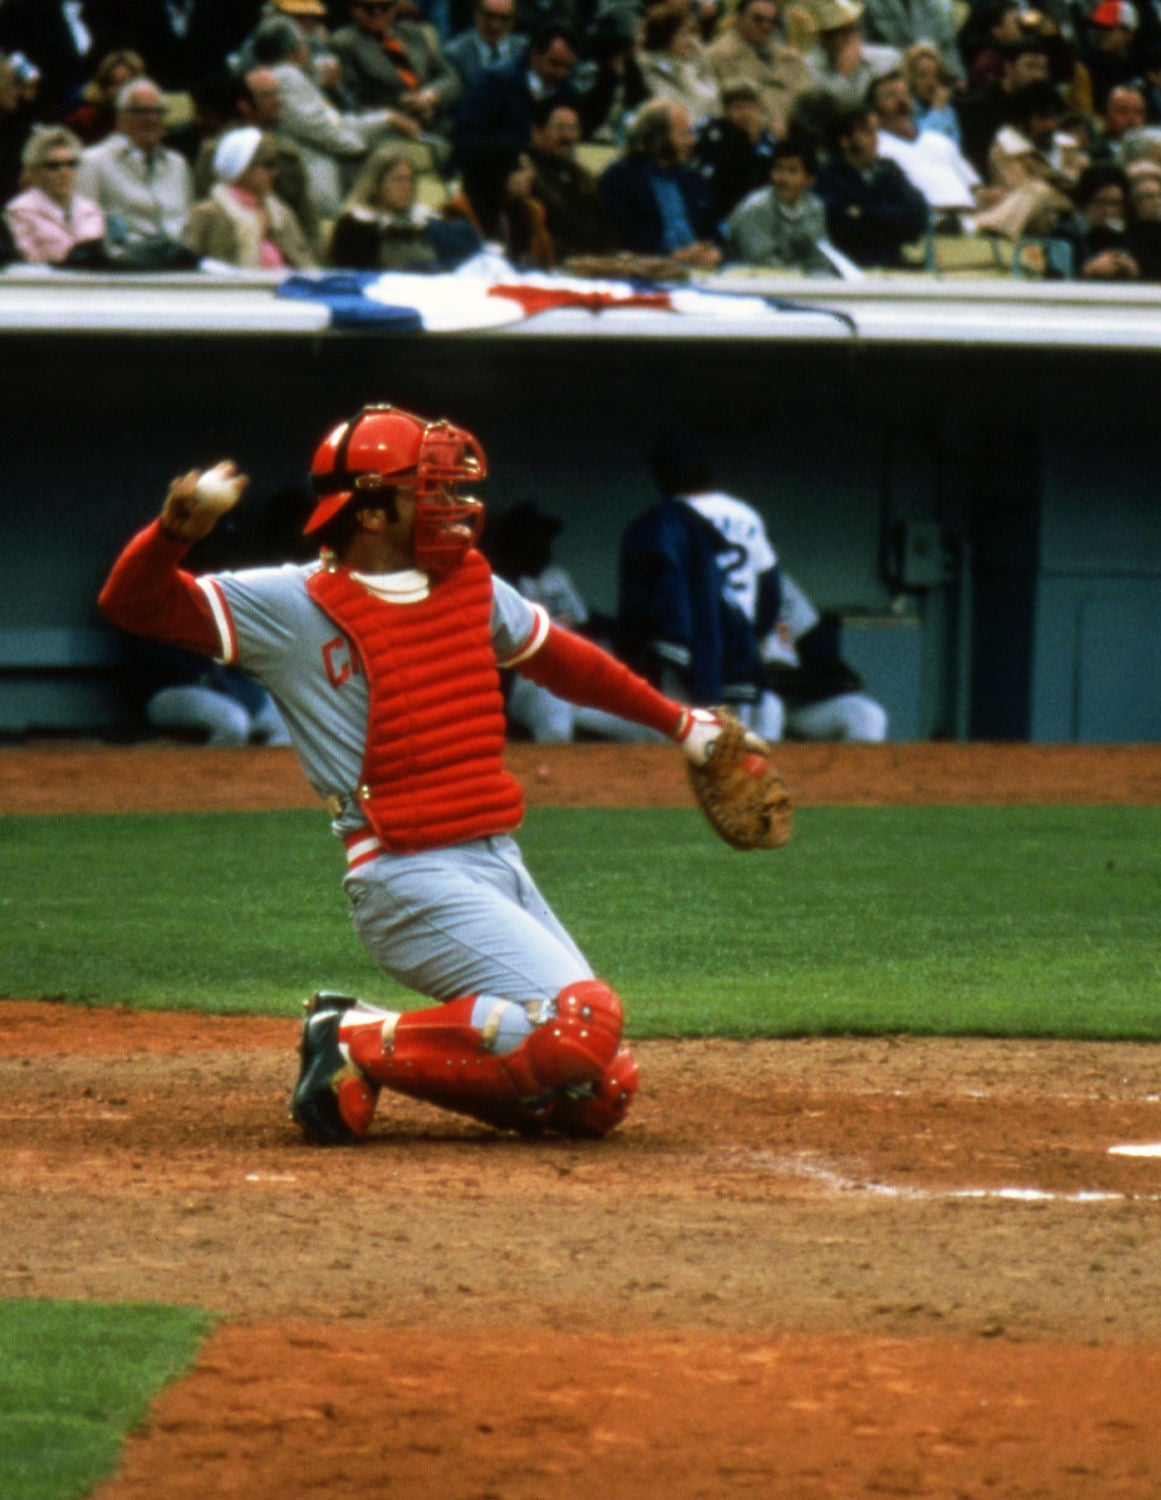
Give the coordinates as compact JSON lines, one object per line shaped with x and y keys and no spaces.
{"x":433,"y":771}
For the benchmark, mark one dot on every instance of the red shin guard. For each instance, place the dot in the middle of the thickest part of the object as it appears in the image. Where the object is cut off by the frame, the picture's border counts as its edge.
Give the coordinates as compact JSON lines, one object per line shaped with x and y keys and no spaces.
{"x":575,"y":1047}
{"x":439,"y":1056}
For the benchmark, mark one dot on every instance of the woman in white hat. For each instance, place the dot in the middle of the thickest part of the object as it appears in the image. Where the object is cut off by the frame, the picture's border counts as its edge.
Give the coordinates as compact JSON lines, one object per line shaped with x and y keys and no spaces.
{"x":243,"y":223}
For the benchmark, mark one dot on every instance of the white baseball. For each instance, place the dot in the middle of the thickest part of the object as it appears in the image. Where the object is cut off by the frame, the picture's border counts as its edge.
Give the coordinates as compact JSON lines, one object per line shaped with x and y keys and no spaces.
{"x":219,"y":486}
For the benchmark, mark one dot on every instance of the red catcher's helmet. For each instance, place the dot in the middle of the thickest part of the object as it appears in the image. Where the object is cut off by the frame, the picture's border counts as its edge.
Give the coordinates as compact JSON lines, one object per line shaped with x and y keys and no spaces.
{"x":382,"y":447}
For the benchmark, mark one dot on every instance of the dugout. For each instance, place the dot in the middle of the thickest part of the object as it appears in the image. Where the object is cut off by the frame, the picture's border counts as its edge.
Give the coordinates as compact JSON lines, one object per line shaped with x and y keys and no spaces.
{"x":966,"y":474}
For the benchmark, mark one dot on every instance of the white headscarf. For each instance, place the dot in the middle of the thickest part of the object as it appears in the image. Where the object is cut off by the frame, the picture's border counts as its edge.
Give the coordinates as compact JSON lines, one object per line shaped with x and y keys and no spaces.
{"x":235,"y":152}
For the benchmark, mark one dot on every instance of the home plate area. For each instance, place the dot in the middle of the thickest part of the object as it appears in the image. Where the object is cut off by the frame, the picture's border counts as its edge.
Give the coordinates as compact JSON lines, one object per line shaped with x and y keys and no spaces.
{"x":811,"y":1268}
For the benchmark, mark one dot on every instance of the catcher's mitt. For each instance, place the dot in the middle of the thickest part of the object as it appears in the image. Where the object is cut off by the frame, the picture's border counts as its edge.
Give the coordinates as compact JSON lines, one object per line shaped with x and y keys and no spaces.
{"x":740,"y":790}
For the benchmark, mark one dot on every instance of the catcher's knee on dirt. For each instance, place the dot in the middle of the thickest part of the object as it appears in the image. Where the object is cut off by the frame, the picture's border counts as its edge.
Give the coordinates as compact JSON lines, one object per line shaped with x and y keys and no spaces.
{"x":594,"y":1111}
{"x":574,"y":1046}
{"x":502,"y":1061}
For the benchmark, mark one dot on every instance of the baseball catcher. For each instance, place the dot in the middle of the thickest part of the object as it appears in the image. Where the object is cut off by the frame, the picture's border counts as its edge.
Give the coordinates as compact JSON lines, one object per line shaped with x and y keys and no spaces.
{"x":384,"y":658}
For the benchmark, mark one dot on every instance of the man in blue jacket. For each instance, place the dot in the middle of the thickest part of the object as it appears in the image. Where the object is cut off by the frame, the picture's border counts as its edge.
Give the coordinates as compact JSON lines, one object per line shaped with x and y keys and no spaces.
{"x":497,"y":109}
{"x":872,"y":210}
{"x":659,"y":204}
{"x":676,"y":623}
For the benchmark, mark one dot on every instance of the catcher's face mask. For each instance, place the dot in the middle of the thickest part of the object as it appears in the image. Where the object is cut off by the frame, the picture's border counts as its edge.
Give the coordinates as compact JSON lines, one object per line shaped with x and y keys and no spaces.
{"x":447,"y":523}
{"x":384,"y":447}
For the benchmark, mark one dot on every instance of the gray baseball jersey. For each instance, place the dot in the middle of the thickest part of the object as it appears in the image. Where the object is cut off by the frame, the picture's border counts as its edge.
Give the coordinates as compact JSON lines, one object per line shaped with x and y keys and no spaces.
{"x":447,"y":922}
{"x":269,"y":625}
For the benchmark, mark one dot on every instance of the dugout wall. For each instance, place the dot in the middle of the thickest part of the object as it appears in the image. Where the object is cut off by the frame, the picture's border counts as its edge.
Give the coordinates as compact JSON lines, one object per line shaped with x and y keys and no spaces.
{"x":984,"y":519}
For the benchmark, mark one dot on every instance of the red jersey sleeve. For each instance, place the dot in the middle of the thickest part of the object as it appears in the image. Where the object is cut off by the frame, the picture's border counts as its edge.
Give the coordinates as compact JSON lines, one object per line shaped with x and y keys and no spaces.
{"x":575,"y":668}
{"x":148,"y":594}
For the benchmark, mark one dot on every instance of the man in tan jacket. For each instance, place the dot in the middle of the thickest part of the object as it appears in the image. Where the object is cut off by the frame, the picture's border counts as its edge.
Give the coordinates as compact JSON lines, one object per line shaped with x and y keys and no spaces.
{"x":748,"y":53}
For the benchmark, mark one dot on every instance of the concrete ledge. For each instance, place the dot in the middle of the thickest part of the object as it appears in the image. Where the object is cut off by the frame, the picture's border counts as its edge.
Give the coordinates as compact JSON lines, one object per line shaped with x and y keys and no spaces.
{"x":913,"y":307}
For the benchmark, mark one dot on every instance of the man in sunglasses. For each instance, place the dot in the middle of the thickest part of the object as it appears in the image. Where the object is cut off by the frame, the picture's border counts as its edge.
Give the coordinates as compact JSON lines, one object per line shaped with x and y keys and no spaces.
{"x":395,"y":64}
{"x":144,"y":188}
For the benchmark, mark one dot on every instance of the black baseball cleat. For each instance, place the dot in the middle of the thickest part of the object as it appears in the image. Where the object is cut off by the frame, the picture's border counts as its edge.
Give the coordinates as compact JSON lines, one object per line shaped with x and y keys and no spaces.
{"x":314,"y":1105}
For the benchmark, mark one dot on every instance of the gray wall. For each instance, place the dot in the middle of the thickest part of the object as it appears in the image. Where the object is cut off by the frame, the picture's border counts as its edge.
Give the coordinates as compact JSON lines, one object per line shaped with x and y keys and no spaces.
{"x":983,"y":533}
{"x":1097,"y":666}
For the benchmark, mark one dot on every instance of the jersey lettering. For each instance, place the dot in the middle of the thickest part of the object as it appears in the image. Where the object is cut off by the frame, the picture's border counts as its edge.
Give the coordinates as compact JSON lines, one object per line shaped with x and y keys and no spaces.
{"x":339,"y":661}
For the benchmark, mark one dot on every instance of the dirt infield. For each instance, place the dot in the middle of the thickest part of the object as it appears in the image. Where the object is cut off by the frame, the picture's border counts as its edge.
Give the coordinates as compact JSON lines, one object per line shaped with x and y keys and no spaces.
{"x":832,"y":1268}
{"x":50,"y":778}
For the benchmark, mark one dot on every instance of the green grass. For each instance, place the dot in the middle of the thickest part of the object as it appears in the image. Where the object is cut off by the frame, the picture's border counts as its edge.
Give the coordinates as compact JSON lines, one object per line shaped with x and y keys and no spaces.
{"x":1006,"y":921}
{"x":75,"y":1378}
{"x":219,"y":912}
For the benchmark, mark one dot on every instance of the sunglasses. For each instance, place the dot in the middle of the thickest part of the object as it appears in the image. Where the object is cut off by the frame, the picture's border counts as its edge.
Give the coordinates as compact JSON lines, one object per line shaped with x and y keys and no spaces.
{"x":70,"y":164}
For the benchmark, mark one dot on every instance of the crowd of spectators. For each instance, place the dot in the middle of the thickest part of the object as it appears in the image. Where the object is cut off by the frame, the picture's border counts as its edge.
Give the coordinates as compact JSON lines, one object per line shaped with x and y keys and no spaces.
{"x":807,"y":135}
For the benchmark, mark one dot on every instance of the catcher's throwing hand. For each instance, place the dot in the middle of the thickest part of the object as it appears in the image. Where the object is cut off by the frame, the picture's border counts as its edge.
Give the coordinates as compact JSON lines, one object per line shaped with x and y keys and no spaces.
{"x":736,"y":782}
{"x":197,"y":501}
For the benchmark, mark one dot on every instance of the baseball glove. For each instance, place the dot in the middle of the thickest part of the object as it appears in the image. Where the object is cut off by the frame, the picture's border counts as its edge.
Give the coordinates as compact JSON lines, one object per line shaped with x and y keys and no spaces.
{"x":740,"y":790}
